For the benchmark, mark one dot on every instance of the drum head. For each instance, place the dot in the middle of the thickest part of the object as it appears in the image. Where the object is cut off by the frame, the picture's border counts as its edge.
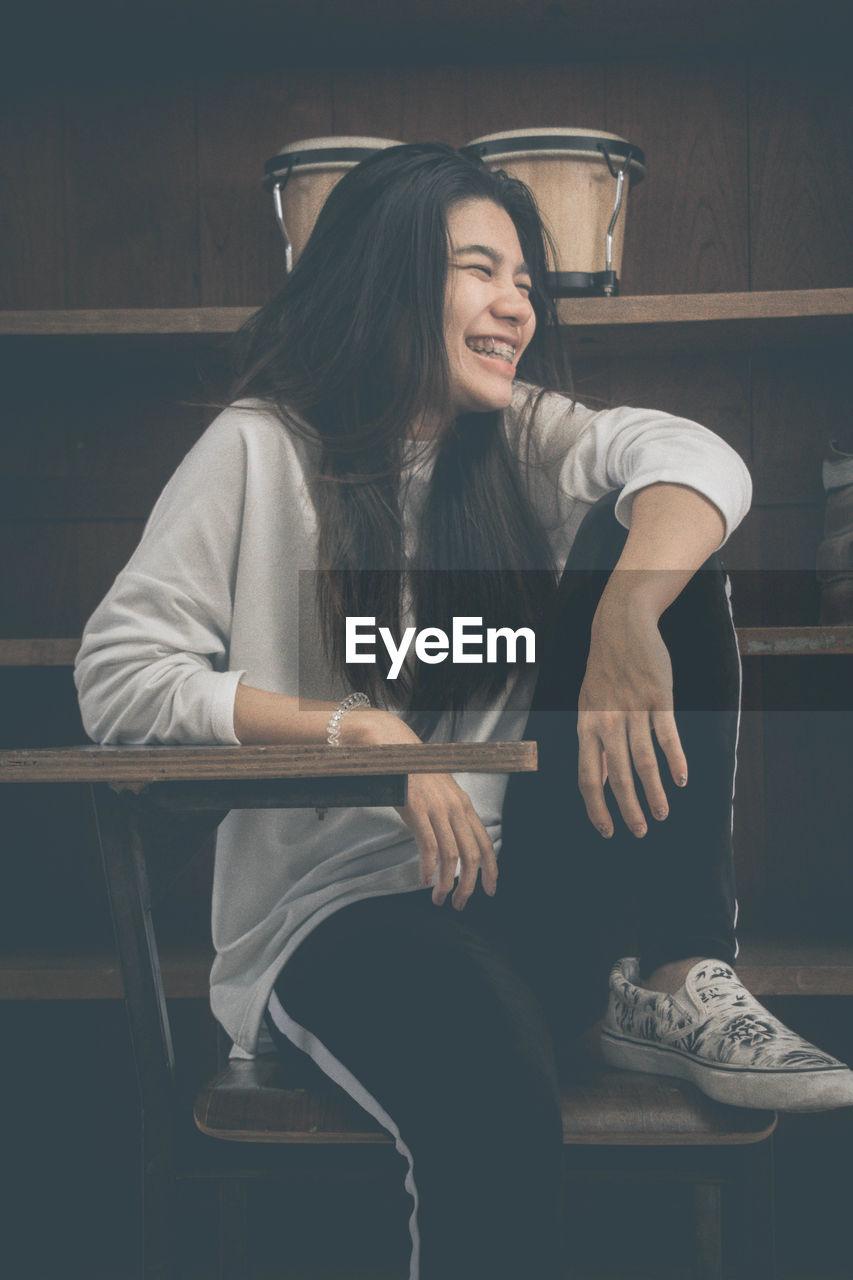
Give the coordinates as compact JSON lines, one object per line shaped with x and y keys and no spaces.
{"x":323,"y":153}
{"x":589,"y":144}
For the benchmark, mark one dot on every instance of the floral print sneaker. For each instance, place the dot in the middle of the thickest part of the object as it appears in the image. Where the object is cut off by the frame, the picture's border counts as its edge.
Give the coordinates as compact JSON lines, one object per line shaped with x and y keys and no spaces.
{"x":714,"y":1032}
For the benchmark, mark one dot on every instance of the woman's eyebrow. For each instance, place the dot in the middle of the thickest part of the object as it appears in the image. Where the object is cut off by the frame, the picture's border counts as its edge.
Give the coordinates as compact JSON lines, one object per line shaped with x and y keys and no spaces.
{"x":488,"y":252}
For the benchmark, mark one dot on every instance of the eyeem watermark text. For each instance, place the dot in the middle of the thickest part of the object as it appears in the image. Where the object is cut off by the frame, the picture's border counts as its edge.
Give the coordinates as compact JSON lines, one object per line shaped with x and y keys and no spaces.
{"x":467,"y":643}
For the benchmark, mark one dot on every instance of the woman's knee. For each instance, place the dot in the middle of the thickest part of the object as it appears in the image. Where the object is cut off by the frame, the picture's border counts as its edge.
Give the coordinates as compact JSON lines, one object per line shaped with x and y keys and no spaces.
{"x":423,"y":1007}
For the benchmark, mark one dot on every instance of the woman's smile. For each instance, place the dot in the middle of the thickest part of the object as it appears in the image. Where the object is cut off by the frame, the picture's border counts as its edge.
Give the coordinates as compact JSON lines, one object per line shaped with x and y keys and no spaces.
{"x":488,"y":317}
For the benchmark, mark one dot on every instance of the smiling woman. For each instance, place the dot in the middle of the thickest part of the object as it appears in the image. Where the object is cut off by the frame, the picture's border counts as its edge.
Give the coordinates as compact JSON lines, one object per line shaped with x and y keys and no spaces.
{"x":398,"y":451}
{"x":489,"y":319}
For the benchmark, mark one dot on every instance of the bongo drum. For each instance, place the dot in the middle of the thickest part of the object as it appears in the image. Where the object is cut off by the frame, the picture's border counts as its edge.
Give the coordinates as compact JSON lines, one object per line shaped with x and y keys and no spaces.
{"x":301,"y":176}
{"x":580,"y":180}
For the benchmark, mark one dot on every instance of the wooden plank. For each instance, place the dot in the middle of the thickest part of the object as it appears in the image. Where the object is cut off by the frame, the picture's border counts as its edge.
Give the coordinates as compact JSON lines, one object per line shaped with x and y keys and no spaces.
{"x":144,"y":765}
{"x":255,"y":1101}
{"x":768,"y":966}
{"x":801,"y":173}
{"x":108,"y":321}
{"x":686,"y":224}
{"x":585,"y":316}
{"x":790,"y":641}
{"x":89,"y":975}
{"x":131,"y":196}
{"x":754,"y":642}
{"x":244,"y":120}
{"x":794,"y":966}
{"x":697,"y":308}
{"x":38,"y":652}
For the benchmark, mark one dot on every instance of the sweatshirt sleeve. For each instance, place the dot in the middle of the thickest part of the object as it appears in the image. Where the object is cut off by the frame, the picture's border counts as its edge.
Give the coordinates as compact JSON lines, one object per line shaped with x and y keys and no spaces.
{"x":153,"y":663}
{"x":581,"y":454}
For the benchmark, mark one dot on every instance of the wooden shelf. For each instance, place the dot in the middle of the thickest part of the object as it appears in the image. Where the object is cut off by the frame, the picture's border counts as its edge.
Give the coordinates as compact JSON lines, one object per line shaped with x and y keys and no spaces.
{"x":797,"y":966}
{"x":94,"y":975}
{"x":789,"y":642}
{"x":709,"y":320}
{"x":124,"y":322}
{"x":38,"y":652}
{"x":769,"y":967}
{"x":754,"y":642}
{"x":676,"y":320}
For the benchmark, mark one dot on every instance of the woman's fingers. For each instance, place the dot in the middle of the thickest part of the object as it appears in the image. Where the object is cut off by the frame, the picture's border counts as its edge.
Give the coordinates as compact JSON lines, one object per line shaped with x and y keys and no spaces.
{"x":666,"y":733}
{"x":621,"y":748}
{"x":626,"y":696}
{"x":476,"y":854}
{"x":645,"y":764}
{"x":448,"y":858}
{"x":450,"y":836}
{"x":425,"y":839}
{"x":592,"y":773}
{"x":621,"y":775}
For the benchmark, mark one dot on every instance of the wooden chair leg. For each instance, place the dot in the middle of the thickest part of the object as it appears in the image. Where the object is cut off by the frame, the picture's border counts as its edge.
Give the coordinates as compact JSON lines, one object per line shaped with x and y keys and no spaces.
{"x":755,"y":1213}
{"x":233,"y":1229}
{"x":157,"y":1226}
{"x":708,"y":1223}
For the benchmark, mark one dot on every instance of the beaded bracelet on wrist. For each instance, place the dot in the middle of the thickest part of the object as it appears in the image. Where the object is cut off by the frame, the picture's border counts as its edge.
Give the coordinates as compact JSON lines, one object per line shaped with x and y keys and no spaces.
{"x":349,"y":703}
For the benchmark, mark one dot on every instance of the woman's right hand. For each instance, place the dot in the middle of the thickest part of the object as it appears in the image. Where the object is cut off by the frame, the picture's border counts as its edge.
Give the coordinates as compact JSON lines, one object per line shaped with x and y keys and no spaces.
{"x":446,"y":826}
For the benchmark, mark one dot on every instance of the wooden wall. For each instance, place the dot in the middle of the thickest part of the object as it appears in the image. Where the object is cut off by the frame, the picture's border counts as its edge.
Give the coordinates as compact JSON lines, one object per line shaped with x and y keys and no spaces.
{"x":149,"y":195}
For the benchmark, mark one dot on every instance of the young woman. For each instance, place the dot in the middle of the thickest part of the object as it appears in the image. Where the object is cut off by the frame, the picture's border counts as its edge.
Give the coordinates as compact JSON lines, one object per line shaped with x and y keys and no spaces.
{"x":391,"y":457}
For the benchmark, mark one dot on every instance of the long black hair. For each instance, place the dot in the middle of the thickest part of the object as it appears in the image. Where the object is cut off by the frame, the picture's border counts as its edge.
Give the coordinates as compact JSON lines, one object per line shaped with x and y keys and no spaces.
{"x":354,"y":344}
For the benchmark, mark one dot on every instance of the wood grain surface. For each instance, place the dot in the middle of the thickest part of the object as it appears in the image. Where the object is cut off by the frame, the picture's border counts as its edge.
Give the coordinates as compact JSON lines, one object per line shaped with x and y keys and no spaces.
{"x":132,"y":203}
{"x":32,"y":223}
{"x":621,"y":314}
{"x":801,"y":172}
{"x":131,"y":196}
{"x":253,"y":1101}
{"x":242,"y":123}
{"x":162,"y":764}
{"x":753,"y":641}
{"x":799,"y":405}
{"x":789,"y":966}
{"x":686,"y":229}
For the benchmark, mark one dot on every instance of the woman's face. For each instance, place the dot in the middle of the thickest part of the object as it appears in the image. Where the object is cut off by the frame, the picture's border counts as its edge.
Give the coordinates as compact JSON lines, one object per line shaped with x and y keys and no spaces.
{"x":488,"y":319}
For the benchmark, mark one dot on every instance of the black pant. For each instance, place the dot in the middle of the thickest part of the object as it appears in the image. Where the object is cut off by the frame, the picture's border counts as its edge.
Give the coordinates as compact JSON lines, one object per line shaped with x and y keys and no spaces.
{"x":458,"y":1024}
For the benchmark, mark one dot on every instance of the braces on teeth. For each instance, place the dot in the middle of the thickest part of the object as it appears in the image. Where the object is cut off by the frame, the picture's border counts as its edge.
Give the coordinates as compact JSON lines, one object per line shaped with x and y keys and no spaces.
{"x":488,"y":346}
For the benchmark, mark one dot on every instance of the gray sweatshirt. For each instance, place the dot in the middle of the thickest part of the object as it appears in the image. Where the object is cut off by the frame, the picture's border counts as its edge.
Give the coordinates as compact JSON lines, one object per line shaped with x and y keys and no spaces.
{"x":212,"y":596}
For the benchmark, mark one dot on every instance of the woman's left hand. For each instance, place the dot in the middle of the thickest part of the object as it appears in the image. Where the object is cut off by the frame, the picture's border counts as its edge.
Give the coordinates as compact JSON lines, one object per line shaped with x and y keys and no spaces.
{"x":626,"y":696}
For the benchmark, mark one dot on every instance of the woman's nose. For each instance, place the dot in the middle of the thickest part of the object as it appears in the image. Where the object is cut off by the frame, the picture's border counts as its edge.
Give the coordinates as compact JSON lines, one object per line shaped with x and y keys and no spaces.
{"x":513,"y":302}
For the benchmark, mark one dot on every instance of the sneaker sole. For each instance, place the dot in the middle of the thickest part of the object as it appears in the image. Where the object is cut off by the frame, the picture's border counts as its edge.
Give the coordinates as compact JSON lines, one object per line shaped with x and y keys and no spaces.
{"x":814,"y":1090}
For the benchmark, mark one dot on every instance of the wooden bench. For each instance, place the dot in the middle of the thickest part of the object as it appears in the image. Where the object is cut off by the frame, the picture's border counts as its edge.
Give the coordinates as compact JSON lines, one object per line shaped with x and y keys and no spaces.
{"x":153,"y":807}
